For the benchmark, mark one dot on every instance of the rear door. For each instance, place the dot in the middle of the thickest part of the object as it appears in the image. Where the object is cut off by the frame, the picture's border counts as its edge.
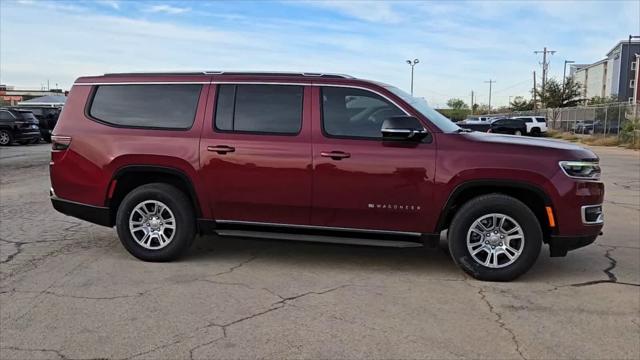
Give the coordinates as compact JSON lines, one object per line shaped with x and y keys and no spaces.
{"x":255,"y":153}
{"x":360,"y":181}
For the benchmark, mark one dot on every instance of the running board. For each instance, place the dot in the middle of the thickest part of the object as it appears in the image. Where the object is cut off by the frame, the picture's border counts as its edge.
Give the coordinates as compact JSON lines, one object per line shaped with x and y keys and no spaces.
{"x":318,"y":238}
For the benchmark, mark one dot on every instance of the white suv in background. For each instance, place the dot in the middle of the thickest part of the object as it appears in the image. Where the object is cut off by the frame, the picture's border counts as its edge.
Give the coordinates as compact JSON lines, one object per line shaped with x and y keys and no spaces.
{"x":536,"y":125}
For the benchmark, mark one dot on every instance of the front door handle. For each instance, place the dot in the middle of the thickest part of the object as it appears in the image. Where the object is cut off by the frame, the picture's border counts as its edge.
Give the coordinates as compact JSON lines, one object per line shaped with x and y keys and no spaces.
{"x":335,"y":155}
{"x":221,"y":149}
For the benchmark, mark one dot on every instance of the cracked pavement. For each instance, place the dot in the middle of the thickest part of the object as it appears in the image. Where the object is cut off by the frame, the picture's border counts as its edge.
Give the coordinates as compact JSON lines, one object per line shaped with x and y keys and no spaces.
{"x":68,"y":290}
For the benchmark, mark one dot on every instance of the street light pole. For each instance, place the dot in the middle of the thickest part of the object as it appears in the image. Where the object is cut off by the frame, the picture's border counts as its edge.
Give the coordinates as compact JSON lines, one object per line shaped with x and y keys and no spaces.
{"x":412,"y":64}
{"x":564,"y":74}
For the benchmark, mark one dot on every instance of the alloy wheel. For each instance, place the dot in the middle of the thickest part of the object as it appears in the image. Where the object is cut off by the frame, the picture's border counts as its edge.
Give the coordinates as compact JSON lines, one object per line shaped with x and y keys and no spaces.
{"x":4,"y":138}
{"x":495,"y":240}
{"x":152,"y":224}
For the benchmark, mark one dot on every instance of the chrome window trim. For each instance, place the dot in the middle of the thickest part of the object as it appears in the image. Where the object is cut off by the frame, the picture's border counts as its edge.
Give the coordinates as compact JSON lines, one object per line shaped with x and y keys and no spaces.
{"x":246,"y":82}
{"x":366,"y":89}
{"x":145,"y":83}
{"x":599,"y":220}
{"x":312,"y":227}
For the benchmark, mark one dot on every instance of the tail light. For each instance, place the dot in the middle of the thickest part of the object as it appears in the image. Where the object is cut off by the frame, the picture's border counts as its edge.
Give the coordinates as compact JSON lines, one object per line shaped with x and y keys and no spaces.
{"x":60,"y":143}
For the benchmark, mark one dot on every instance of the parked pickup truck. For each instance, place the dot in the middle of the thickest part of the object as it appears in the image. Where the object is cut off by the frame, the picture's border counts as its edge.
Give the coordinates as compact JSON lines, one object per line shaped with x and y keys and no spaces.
{"x":314,"y":157}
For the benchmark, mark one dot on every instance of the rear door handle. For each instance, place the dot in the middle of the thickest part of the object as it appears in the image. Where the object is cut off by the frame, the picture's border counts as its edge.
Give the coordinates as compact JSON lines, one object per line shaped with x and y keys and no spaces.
{"x":221,"y":149}
{"x":335,"y":155}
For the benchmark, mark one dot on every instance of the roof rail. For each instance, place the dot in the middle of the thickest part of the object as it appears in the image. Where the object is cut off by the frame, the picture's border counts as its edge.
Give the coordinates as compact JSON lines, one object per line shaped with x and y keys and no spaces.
{"x":253,"y":73}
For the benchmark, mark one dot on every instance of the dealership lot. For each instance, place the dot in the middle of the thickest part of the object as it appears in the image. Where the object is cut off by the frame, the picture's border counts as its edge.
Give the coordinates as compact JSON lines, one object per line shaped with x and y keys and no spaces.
{"x":68,"y":289}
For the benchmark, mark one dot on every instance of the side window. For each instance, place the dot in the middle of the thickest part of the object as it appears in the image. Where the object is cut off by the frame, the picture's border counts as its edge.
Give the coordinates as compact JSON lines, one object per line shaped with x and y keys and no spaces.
{"x":4,"y":115}
{"x":354,"y":113}
{"x":271,"y":109}
{"x":167,"y":106}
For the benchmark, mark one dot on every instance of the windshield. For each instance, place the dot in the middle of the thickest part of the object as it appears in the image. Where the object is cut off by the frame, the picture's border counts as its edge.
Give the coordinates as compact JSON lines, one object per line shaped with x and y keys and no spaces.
{"x":421,"y":106}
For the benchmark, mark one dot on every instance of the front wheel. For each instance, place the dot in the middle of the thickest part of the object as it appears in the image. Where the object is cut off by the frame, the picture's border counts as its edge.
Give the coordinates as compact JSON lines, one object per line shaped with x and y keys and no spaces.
{"x":495,"y":238}
{"x":156,"y":222}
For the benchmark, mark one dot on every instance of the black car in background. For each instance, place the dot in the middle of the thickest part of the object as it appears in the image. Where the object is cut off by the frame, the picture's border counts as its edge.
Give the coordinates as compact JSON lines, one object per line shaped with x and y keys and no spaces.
{"x":47,"y":118}
{"x":508,"y":126}
{"x":595,"y":127}
{"x":18,"y":125}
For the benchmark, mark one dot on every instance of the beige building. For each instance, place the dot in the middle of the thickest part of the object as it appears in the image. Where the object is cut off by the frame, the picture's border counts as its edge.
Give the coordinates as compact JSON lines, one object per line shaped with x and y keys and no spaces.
{"x":593,"y":79}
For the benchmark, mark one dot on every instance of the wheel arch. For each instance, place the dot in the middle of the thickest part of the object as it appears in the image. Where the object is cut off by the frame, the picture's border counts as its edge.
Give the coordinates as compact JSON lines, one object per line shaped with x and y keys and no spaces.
{"x":531,"y":195}
{"x":130,"y":177}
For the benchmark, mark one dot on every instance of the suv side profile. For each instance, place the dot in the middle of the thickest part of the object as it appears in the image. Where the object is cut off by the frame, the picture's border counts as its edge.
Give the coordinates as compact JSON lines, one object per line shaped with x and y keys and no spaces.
{"x":18,"y":125}
{"x":536,"y":125}
{"x":314,"y":157}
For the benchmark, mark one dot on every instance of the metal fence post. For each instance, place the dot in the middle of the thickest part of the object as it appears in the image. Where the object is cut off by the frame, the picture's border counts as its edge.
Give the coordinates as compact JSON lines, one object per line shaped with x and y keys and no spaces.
{"x":604,"y":130}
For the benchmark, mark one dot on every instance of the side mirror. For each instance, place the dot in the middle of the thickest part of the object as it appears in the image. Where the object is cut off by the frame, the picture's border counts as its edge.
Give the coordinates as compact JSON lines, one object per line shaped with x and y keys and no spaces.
{"x":403,"y":128}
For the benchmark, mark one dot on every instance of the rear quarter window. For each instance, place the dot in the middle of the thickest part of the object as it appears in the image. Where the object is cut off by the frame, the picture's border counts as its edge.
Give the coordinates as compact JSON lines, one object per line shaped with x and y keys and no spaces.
{"x":164,"y":106}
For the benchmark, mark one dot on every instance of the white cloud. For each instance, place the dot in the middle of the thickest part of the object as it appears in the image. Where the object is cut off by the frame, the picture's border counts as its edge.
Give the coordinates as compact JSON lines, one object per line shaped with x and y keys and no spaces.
{"x":114,"y":4}
{"x":373,"y":11}
{"x":167,"y":9}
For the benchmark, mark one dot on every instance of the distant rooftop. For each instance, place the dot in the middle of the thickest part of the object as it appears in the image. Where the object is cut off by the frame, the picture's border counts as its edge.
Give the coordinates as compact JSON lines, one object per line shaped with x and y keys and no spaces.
{"x":49,"y":100}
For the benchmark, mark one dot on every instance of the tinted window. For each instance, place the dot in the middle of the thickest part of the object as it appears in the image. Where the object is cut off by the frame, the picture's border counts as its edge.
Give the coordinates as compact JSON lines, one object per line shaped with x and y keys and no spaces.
{"x":5,"y":115}
{"x":157,"y":106}
{"x":499,"y":122}
{"x":273,"y":109}
{"x":541,"y":119}
{"x":348,"y":112}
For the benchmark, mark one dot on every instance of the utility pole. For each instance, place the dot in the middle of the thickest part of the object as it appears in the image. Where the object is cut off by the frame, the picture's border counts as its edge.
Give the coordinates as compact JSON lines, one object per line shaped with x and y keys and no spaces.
{"x":534,"y":90}
{"x":412,"y":64}
{"x":545,"y":67}
{"x":490,"y":83}
{"x":471,"y":102}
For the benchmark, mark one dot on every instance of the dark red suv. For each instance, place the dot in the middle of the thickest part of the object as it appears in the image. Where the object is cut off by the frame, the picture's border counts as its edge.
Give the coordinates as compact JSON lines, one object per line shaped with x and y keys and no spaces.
{"x":315,"y":157}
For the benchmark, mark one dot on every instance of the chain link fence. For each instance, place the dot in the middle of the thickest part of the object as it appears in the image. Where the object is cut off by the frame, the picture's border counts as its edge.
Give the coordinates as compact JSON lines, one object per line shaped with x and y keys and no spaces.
{"x":614,"y":119}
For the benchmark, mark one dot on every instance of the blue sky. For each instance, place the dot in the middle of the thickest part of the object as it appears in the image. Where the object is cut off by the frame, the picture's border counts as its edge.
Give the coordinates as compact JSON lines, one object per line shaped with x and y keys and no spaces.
{"x":460,"y":44}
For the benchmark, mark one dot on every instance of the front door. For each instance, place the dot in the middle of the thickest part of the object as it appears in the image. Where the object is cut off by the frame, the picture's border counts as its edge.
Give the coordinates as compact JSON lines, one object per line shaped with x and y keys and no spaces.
{"x":359,"y":181}
{"x":255,"y":153}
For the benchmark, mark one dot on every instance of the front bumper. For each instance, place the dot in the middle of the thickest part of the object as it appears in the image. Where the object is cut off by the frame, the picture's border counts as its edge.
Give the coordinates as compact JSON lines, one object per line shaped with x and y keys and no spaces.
{"x":94,"y":214}
{"x":560,"y":245}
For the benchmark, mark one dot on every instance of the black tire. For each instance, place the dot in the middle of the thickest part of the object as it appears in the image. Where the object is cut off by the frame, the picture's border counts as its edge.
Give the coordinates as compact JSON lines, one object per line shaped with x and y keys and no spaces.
{"x":182,"y":209}
{"x":488,"y":204}
{"x":47,"y":138}
{"x":6,"y":137}
{"x":535,"y":131}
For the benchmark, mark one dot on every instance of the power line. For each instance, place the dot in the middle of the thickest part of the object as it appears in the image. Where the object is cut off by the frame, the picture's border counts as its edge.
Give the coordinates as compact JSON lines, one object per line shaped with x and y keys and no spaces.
{"x":511,"y":86}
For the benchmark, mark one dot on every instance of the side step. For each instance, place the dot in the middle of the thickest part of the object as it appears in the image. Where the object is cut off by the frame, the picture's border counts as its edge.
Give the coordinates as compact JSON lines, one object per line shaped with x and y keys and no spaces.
{"x":319,"y":238}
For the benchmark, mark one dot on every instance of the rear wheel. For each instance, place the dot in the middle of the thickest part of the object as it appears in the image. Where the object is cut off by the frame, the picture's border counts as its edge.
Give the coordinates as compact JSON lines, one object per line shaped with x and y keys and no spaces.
{"x":156,"y":222}
{"x":495,"y":238}
{"x":6,"y":137}
{"x":535,"y":131}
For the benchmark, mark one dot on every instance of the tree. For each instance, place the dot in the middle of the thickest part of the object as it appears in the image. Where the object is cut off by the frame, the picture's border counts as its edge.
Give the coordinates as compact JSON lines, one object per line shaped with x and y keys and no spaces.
{"x":552,"y":96}
{"x":457,"y":104}
{"x":521,"y":104}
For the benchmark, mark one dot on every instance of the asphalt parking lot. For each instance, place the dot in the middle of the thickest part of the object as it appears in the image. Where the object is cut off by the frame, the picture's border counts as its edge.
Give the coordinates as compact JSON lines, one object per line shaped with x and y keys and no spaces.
{"x":68,"y":289}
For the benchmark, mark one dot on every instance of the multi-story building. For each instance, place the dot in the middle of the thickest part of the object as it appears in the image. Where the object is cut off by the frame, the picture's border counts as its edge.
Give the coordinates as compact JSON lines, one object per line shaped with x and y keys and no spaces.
{"x":622,"y":60}
{"x":593,"y":78}
{"x":614,"y":76}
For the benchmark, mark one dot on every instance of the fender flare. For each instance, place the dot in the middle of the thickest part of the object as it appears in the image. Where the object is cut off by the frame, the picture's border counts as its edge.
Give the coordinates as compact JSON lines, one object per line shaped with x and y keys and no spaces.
{"x":517,"y":184}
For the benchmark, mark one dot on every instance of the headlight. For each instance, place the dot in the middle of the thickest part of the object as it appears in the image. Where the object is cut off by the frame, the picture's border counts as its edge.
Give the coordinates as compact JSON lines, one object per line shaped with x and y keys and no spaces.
{"x":585,"y":170}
